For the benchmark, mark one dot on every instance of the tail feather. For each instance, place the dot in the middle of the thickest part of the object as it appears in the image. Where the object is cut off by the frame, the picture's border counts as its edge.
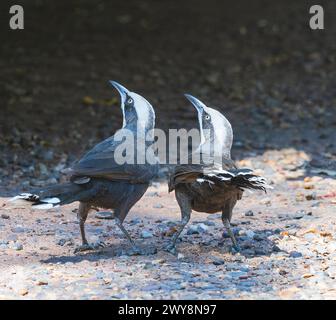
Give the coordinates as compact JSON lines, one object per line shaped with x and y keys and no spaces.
{"x":242,"y":178}
{"x":52,"y":196}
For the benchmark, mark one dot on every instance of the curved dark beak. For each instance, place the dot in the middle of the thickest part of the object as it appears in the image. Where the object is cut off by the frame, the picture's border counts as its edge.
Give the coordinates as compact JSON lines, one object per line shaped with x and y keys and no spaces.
{"x":121,"y":89}
{"x":199,"y":105}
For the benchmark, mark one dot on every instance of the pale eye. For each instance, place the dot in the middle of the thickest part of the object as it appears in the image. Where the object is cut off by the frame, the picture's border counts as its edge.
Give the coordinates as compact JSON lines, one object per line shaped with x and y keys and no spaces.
{"x":207,"y":117}
{"x":129,"y":100}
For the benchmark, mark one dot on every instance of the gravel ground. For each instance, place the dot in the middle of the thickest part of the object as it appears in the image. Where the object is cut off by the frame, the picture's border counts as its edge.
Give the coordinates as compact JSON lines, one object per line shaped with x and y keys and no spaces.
{"x":288,"y":241}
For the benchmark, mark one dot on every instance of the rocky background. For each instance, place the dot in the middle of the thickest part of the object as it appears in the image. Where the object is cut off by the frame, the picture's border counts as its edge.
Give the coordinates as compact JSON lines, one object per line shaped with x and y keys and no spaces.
{"x":256,"y":61}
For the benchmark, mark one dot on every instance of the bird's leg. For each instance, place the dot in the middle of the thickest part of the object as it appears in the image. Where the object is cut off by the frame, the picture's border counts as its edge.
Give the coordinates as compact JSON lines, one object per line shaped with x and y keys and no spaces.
{"x":124,"y":231}
{"x":83,"y":212}
{"x":185,"y":206}
{"x":227,"y":226}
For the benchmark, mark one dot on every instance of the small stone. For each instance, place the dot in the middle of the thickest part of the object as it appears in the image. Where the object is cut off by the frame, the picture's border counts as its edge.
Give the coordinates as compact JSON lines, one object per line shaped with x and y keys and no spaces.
{"x":209,"y":223}
{"x":301,"y":213}
{"x":250,"y":234}
{"x":193,"y":230}
{"x":217,"y":261}
{"x":17,"y":246}
{"x":158,"y":206}
{"x":158,"y":261}
{"x":275,"y":248}
{"x":135,"y":221}
{"x":23,"y":292}
{"x":258,"y":237}
{"x":202,"y":227}
{"x":249,"y":213}
{"x":309,"y":236}
{"x":311,"y":196}
{"x":146,"y":234}
{"x":42,"y":283}
{"x":180,"y":256}
{"x":307,"y":275}
{"x":5,"y":216}
{"x":260,"y":252}
{"x":18,"y":229}
{"x":106,"y":215}
{"x":152,"y":194}
{"x":64,"y":241}
{"x":295,"y":254}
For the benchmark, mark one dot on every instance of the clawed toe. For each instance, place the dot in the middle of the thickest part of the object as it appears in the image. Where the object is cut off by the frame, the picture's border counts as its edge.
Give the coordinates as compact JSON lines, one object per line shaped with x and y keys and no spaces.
{"x":90,"y":247}
{"x":135,"y":251}
{"x":171,"y":249}
{"x":235,"y":249}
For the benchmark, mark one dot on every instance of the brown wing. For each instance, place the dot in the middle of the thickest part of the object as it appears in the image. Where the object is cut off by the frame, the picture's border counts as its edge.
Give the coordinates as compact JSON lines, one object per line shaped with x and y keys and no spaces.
{"x":189,"y":173}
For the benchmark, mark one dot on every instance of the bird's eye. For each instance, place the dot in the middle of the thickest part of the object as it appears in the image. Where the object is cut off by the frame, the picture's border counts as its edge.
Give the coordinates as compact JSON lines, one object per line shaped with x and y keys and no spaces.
{"x":207,"y":117}
{"x":129,"y":101}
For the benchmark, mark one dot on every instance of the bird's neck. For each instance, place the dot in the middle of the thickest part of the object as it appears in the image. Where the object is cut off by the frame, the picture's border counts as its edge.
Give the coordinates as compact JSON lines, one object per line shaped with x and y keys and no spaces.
{"x":214,"y":151}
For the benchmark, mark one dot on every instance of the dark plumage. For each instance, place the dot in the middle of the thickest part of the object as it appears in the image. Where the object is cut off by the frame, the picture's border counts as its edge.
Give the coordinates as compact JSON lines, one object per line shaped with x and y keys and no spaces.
{"x":215,"y":184}
{"x":98,"y":179}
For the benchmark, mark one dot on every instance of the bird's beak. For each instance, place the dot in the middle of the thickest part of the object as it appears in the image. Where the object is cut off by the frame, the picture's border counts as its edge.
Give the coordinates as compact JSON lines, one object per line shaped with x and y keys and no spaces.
{"x":121,"y":89}
{"x":199,"y":105}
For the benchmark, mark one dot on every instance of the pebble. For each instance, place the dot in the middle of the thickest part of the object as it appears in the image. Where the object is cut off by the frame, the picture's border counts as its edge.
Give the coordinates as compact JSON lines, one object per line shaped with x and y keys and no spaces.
{"x":17,"y":246}
{"x":152,"y":194}
{"x":209,"y":223}
{"x":295,"y":254}
{"x":258,"y":237}
{"x":18,"y":229}
{"x":105,"y":215}
{"x":249,"y":213}
{"x":146,"y":234}
{"x":309,"y":236}
{"x":250,"y":234}
{"x":275,"y":248}
{"x":260,"y":251}
{"x":158,"y":206}
{"x":301,"y":213}
{"x":202,"y":227}
{"x":5,"y":216}
{"x":193,"y":230}
{"x":217,"y":261}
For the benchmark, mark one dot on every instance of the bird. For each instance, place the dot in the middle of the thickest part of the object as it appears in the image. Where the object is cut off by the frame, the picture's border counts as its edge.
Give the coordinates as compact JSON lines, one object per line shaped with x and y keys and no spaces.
{"x":214,"y":184}
{"x":104,"y":177}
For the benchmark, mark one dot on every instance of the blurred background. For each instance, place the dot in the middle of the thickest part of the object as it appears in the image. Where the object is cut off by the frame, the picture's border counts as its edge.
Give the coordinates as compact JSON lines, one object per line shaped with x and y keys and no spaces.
{"x":256,"y":61}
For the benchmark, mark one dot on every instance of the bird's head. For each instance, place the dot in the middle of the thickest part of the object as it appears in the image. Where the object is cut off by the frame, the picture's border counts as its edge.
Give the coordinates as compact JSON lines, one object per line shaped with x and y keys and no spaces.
{"x":137,"y":111}
{"x":215,"y":129}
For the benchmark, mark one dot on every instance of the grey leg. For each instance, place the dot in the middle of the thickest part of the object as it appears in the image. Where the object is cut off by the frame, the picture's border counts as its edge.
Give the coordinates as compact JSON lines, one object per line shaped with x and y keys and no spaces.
{"x":227,"y":226}
{"x":124,"y":231}
{"x":226,"y":218}
{"x":83,"y":212}
{"x":185,"y":207}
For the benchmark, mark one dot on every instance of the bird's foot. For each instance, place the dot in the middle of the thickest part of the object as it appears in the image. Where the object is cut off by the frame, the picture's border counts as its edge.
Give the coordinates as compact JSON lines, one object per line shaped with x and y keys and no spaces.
{"x":136,"y":251}
{"x":90,"y":246}
{"x":235,"y":248}
{"x":171,"y":248}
